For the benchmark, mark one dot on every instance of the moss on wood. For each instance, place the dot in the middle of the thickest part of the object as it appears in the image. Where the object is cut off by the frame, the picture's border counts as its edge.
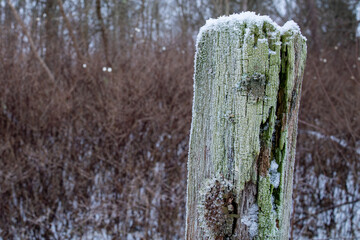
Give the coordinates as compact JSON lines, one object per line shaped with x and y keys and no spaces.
{"x":247,"y":84}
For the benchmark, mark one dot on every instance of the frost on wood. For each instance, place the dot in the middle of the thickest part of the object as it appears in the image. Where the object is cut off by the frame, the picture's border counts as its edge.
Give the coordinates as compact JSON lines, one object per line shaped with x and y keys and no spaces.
{"x":247,"y":82}
{"x":251,"y":220}
{"x":217,"y":208}
{"x":274,"y":174}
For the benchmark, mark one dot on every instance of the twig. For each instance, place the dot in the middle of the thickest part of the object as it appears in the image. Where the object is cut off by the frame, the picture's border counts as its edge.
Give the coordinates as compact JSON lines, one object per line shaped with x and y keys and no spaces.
{"x":343,"y":143}
{"x":103,"y":31}
{"x":331,"y":102}
{"x":327,"y":209}
{"x":72,"y":36}
{"x":310,"y":125}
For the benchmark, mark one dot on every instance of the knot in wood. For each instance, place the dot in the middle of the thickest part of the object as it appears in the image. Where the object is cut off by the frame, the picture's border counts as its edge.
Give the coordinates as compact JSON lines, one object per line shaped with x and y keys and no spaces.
{"x":219,"y":209}
{"x":256,"y":85}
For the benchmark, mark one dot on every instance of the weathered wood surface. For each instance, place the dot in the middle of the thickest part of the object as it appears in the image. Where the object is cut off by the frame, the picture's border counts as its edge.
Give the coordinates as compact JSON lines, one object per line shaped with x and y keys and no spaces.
{"x":247,"y":87}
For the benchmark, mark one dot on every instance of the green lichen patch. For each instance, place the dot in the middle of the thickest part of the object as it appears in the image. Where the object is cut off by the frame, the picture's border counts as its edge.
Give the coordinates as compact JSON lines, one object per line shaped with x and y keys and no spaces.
{"x":267,"y":214}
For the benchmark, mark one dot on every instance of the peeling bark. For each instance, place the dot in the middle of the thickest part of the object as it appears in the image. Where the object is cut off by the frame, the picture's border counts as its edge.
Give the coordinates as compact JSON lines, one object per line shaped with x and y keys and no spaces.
{"x":247,"y":85}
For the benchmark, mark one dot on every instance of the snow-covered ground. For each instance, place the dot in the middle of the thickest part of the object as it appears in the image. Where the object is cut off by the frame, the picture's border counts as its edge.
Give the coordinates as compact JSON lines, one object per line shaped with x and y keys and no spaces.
{"x":324,"y":208}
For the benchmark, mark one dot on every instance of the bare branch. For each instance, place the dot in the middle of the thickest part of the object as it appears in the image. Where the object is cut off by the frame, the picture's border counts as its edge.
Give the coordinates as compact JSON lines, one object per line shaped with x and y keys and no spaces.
{"x":32,"y":45}
{"x":68,"y":25}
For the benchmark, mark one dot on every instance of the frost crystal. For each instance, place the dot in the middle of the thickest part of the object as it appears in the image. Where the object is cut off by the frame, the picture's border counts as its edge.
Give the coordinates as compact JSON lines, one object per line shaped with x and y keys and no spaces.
{"x":245,"y":17}
{"x":251,"y":220}
{"x":290,"y":26}
{"x":274,"y":174}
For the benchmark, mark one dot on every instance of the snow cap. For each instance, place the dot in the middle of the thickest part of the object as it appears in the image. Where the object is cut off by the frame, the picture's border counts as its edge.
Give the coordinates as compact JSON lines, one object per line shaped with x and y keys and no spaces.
{"x":248,"y":18}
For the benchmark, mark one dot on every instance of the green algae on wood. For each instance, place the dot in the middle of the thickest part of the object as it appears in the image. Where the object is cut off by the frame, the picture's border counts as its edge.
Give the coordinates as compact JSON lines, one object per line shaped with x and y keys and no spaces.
{"x":247,"y":87}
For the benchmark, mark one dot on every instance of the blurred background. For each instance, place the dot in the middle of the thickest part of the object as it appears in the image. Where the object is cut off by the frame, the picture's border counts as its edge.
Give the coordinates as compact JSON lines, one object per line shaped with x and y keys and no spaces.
{"x":95,"y":113}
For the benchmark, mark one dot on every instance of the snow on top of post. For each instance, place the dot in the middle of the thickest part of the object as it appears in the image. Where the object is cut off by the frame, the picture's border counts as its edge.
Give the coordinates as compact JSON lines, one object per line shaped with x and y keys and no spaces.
{"x":249,"y":18}
{"x":290,"y":26}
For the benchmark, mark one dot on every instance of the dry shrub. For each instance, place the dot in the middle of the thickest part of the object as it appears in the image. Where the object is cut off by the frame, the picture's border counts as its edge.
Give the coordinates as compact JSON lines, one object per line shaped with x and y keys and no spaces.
{"x":326,"y":186}
{"x":96,"y":150}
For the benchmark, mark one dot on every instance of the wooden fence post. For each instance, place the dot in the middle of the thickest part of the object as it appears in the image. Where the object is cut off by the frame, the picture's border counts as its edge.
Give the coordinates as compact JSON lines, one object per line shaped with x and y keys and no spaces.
{"x":247,"y":87}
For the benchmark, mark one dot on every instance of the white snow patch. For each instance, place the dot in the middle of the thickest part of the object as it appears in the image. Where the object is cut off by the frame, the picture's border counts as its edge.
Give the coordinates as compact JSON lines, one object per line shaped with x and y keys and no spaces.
{"x":96,"y":235}
{"x":262,"y":40}
{"x":271,"y":52}
{"x":338,"y":222}
{"x":341,"y":142}
{"x":245,"y":17}
{"x":274,"y":174}
{"x":289,"y":26}
{"x":322,"y":180}
{"x":251,"y":220}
